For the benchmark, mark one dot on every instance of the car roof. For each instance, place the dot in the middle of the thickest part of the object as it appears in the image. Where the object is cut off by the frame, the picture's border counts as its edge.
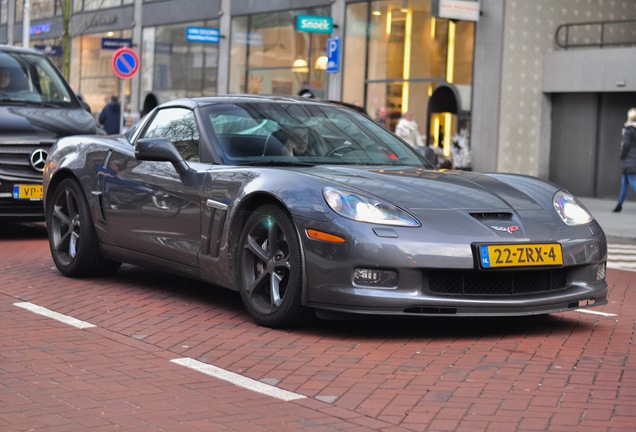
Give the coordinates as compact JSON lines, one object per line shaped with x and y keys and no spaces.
{"x":242,"y":98}
{"x":17,"y":49}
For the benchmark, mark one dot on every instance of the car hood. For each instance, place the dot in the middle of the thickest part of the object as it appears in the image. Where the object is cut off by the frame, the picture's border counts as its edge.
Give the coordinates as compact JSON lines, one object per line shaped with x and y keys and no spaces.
{"x":56,"y":121}
{"x":415,"y":188}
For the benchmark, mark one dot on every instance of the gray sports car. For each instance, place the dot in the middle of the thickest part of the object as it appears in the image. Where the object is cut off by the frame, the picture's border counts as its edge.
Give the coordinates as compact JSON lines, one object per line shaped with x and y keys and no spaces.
{"x":309,"y":208}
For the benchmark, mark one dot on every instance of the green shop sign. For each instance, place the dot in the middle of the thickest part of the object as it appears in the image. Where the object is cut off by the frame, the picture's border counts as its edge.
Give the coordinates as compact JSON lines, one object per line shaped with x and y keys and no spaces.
{"x":314,"y":24}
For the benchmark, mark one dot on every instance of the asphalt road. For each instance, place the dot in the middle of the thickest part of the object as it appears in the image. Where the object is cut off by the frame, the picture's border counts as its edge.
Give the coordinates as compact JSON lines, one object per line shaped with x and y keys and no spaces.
{"x":149,"y":351}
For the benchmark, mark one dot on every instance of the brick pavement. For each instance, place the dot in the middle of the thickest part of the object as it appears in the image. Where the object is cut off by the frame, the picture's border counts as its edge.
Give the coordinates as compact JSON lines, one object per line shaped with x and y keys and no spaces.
{"x":562,"y":372}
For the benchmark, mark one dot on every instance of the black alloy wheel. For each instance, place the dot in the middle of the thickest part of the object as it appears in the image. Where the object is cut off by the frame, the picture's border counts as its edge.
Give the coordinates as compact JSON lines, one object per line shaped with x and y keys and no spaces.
{"x":270,"y":269}
{"x":72,"y":236}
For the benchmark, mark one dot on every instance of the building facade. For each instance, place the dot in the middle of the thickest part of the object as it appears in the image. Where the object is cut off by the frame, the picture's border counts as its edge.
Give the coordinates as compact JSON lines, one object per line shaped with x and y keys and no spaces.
{"x":538,"y":88}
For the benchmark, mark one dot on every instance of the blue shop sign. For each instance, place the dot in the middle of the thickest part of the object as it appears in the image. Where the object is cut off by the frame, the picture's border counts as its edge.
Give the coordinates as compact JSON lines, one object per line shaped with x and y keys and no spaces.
{"x":40,"y":28}
{"x":314,"y":24}
{"x":116,"y":43}
{"x":203,"y":34}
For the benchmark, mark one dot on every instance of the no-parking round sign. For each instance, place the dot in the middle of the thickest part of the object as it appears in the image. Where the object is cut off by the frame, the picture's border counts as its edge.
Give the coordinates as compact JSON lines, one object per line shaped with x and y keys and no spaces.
{"x":125,"y":63}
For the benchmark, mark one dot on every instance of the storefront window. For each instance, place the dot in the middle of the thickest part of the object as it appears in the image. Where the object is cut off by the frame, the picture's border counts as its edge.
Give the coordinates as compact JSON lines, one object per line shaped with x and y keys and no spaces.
{"x":464,"y":52}
{"x":96,"y":81}
{"x":269,"y":56}
{"x":3,"y":13}
{"x":407,"y":57}
{"x":173,"y":67}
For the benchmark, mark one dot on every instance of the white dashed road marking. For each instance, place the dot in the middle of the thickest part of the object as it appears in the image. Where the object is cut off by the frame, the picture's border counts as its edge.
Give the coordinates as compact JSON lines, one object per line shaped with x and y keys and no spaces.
{"x":54,"y":315}
{"x":593,"y":312}
{"x":238,"y":380}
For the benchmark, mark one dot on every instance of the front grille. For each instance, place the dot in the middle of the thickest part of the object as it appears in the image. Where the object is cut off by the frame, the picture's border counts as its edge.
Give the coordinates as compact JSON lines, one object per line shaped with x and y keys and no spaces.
{"x":15,"y":160}
{"x":496,"y":283}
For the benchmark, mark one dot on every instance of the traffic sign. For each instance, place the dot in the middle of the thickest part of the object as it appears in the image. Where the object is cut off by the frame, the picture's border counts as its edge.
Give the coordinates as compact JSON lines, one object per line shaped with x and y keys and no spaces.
{"x":333,"y":55}
{"x":125,"y":63}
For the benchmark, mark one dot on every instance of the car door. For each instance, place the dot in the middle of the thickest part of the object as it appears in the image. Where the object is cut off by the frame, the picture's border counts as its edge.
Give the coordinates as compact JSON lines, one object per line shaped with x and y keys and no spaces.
{"x":146,"y":205}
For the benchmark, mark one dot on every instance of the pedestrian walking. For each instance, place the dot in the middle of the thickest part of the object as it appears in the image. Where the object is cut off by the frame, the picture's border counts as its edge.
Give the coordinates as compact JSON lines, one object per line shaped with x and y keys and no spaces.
{"x":110,"y":117}
{"x":628,"y":158}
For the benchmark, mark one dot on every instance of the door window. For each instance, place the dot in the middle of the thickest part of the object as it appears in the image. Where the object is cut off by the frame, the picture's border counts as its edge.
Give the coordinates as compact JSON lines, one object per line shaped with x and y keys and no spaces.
{"x":179,"y":126}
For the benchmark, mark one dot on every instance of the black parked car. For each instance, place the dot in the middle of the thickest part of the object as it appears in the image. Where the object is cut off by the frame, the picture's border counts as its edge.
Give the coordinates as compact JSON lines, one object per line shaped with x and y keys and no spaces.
{"x":304,"y":206}
{"x":37,"y":106}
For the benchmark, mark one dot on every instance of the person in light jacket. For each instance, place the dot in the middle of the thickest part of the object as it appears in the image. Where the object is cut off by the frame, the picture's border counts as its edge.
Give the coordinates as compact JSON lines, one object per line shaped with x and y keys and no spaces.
{"x":406,"y":128}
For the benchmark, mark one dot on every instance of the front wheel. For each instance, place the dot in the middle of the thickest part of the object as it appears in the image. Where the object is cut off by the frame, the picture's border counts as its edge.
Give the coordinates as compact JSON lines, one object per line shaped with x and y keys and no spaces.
{"x":270,"y":269}
{"x":72,"y":236}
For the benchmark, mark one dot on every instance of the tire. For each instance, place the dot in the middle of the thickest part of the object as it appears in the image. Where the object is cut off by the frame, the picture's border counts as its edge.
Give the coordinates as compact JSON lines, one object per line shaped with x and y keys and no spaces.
{"x":72,"y":237}
{"x":270,"y":274}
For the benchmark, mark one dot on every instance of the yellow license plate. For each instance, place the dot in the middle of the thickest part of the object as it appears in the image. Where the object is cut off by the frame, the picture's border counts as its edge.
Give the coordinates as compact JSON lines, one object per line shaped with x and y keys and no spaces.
{"x":520,"y":255}
{"x":32,"y":192}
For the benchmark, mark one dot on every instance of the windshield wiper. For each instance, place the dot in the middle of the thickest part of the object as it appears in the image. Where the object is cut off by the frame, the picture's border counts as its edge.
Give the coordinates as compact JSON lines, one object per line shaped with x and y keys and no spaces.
{"x":19,"y":101}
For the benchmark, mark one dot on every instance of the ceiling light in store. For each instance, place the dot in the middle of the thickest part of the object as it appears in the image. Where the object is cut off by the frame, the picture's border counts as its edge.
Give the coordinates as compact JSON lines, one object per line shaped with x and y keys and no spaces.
{"x":321,"y":63}
{"x":300,"y":66}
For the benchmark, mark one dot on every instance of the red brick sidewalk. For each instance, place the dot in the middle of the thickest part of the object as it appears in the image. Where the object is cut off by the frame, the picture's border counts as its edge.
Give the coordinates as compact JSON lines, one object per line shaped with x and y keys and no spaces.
{"x":563,"y":372}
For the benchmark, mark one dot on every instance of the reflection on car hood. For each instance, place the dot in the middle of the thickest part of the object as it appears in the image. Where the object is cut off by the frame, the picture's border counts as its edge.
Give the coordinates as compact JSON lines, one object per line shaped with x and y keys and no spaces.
{"x":416,"y":188}
{"x":58,"y":121}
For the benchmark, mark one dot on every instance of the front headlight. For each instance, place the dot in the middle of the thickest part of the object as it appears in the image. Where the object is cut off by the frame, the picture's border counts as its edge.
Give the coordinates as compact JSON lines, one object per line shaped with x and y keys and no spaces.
{"x":366,"y":209}
{"x":570,"y":210}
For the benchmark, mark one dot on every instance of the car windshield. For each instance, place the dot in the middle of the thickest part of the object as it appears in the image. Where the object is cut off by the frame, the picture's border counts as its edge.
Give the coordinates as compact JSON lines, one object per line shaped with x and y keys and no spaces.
{"x":308,"y":133}
{"x":28,"y":77}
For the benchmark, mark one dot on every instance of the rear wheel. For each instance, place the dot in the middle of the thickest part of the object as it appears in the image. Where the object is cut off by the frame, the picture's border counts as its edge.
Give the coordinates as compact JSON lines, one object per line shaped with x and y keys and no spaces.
{"x":72,"y":236}
{"x":270,"y":269}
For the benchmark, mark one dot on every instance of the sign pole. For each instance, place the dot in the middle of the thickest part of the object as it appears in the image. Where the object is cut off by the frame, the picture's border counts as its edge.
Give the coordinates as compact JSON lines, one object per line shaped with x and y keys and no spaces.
{"x":122,"y":92}
{"x":125,"y":64}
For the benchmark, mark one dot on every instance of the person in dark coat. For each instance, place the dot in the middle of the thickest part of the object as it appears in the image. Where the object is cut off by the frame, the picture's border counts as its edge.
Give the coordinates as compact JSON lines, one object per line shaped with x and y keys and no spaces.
{"x":628,"y":158}
{"x":110,"y":117}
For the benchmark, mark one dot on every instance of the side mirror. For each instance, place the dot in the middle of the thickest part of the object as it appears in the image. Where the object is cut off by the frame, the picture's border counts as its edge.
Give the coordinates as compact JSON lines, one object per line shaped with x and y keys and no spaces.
{"x":85,"y":105}
{"x":160,"y":150}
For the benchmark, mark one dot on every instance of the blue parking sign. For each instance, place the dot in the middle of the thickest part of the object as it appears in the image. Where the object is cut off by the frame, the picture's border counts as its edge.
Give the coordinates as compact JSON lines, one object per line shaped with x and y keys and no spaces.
{"x":333,"y":55}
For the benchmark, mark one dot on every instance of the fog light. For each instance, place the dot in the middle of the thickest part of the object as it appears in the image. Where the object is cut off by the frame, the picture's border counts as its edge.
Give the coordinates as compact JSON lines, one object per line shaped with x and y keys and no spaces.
{"x":375,"y":278}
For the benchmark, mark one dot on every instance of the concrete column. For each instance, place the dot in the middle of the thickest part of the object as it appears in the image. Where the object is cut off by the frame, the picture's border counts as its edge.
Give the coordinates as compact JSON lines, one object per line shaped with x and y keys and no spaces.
{"x":10,"y":22}
{"x":223,"y":80}
{"x":334,"y":90}
{"x":135,"y":82}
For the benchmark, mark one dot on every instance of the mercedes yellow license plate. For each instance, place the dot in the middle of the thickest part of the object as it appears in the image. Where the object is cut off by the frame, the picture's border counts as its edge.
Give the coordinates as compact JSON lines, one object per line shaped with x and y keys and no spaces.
{"x":520,"y":255}
{"x":33,"y":192}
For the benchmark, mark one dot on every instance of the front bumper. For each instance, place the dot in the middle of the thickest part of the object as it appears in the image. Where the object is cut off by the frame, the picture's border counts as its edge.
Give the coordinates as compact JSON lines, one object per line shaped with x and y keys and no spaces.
{"x":14,"y":210}
{"x":442,"y":277}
